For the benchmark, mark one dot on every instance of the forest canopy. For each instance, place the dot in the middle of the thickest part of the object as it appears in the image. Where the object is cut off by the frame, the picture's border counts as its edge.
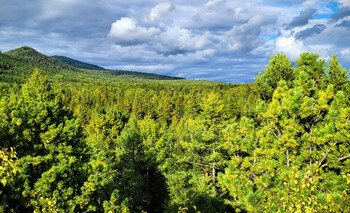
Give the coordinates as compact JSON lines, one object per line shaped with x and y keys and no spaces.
{"x":280,"y":144}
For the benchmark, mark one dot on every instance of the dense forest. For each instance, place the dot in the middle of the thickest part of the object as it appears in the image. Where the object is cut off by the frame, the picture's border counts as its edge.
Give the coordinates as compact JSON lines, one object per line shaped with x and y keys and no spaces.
{"x":77,"y":140}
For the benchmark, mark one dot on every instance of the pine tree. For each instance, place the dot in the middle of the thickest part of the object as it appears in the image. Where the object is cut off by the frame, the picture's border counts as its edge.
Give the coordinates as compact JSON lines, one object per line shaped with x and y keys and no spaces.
{"x":279,"y":68}
{"x":338,"y":75}
{"x":49,"y":148}
{"x":295,"y":159}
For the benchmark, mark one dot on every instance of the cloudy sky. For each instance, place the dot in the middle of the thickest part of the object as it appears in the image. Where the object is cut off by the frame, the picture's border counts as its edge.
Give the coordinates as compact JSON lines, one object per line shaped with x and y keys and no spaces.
{"x":220,"y":40}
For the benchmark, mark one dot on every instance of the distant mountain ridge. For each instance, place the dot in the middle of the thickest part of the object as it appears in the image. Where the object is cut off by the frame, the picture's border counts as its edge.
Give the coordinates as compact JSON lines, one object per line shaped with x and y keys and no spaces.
{"x":31,"y":56}
{"x":77,"y":64}
{"x":83,"y":65}
{"x":68,"y":66}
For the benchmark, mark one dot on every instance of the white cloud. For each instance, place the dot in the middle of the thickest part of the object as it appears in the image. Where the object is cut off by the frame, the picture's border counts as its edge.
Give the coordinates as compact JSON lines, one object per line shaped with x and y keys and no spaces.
{"x":154,"y":68}
{"x":345,"y":3}
{"x":310,"y":3}
{"x":345,"y":53}
{"x":290,"y":46}
{"x":126,"y":32}
{"x":179,"y":41}
{"x":246,"y":37}
{"x":179,"y":37}
{"x":160,"y":10}
{"x":58,"y":8}
{"x":161,"y":40}
{"x":325,"y":51}
{"x":219,"y":15}
{"x":242,"y":12}
{"x":197,"y":56}
{"x":213,"y":3}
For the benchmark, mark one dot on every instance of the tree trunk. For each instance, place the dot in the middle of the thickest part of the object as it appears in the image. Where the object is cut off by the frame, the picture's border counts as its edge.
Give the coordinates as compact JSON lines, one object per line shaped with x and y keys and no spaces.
{"x":310,"y":162}
{"x":213,"y":168}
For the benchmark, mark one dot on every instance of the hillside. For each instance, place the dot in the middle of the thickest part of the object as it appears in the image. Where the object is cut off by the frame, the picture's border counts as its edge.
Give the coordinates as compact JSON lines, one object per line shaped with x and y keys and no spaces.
{"x":84,"y":65}
{"x":77,"y":64}
{"x":37,"y":59}
{"x":17,"y":65}
{"x":144,"y":75}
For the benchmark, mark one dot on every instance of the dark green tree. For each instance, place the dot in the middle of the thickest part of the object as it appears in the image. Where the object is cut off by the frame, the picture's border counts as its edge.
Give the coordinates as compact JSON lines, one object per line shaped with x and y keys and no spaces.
{"x":279,"y":68}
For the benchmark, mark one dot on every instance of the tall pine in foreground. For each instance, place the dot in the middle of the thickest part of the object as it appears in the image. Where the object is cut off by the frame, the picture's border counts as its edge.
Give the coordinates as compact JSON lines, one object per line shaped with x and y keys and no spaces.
{"x":50,"y":152}
{"x":294,"y":157}
{"x":279,"y":68}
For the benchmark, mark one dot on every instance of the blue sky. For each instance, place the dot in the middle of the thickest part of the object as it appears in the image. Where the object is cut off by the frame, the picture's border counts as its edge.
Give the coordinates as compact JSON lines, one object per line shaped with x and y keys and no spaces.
{"x":220,"y":40}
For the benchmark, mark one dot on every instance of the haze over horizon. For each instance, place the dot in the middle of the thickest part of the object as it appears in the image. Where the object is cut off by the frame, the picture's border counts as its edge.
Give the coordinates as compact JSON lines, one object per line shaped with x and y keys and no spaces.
{"x":219,"y":40}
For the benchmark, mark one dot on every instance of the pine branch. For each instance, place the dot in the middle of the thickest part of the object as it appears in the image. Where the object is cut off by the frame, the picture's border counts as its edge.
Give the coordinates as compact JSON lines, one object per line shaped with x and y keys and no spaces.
{"x":344,"y":157}
{"x":326,"y":154}
{"x":339,"y":159}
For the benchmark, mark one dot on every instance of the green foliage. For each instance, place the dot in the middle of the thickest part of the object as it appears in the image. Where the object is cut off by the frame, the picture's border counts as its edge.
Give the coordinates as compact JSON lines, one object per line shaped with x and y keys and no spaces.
{"x":37,"y":88}
{"x":314,"y":68}
{"x":338,"y":76}
{"x":8,"y":169}
{"x":104,"y":129}
{"x":90,"y":141}
{"x":33,"y":57}
{"x":279,"y":68}
{"x":48,"y":148}
{"x":292,"y":159}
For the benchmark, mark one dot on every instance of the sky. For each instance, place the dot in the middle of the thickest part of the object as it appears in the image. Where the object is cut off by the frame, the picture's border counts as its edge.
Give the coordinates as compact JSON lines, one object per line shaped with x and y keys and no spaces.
{"x":218,"y":40}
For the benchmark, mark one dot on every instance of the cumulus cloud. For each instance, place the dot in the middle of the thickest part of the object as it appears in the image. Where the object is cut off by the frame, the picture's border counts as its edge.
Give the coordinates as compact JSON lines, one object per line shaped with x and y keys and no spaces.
{"x":198,"y":56}
{"x":345,"y":3}
{"x":310,"y":3}
{"x":214,"y":15}
{"x":161,"y":10}
{"x":177,"y":40}
{"x":345,"y":53}
{"x":302,"y":19}
{"x":227,"y":40}
{"x":288,"y":1}
{"x":167,"y":41}
{"x":126,"y":32}
{"x":246,"y":37}
{"x":153,"y":68}
{"x":290,"y":46}
{"x":316,"y":29}
{"x":345,"y":23}
{"x":344,"y":12}
{"x":214,"y":3}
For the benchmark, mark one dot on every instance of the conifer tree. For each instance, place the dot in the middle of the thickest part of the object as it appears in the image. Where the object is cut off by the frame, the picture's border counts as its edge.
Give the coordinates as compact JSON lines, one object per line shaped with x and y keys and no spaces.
{"x":296,"y":158}
{"x":338,"y":75}
{"x":37,"y":87}
{"x":279,"y":68}
{"x":49,"y":148}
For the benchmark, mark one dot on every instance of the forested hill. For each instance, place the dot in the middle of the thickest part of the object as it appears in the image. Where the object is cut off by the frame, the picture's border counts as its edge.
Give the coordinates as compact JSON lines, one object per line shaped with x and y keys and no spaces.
{"x":142,"y":75}
{"x":37,"y":59}
{"x":83,"y":65}
{"x":18,"y":64}
{"x":77,"y":64}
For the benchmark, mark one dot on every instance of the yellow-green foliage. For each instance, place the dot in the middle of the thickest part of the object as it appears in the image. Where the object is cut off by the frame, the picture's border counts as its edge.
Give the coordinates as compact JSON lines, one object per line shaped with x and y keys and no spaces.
{"x":82,"y":140}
